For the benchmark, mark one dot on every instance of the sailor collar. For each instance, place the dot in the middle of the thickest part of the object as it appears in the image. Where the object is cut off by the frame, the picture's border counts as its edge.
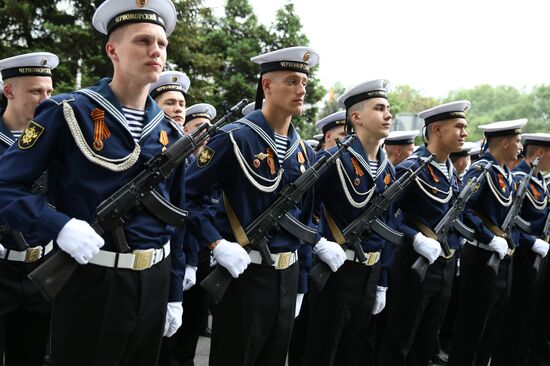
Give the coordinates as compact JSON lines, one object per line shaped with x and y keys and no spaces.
{"x":356,"y":149}
{"x":103,"y":95}
{"x":522,"y":169}
{"x":6,"y":137}
{"x":257,"y":122}
{"x":424,"y":154}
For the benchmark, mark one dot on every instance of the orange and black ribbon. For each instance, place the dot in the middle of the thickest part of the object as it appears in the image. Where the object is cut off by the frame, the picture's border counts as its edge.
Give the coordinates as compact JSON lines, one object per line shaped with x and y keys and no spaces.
{"x":432,"y":173}
{"x":387,"y":179}
{"x":270,"y":161}
{"x":501,"y":182}
{"x":534,"y":190}
{"x":101,"y":132}
{"x":357,"y":167}
{"x":163,"y":139}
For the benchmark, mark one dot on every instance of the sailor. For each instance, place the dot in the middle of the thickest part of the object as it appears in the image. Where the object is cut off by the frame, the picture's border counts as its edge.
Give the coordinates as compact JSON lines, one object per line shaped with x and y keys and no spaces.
{"x":399,"y":145}
{"x":484,"y":293}
{"x":116,"y":307}
{"x":170,"y":93}
{"x":418,"y":304}
{"x":252,"y":160}
{"x":332,"y":127}
{"x":24,"y":315}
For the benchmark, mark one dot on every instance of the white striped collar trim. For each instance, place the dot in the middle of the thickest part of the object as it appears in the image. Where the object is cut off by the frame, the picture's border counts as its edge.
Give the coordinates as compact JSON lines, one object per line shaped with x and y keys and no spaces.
{"x":381,"y":164}
{"x":176,"y":126}
{"x":102,"y":101}
{"x":151,"y":125}
{"x":264,"y":136}
{"x":450,"y":169}
{"x":6,"y":139}
{"x":537,"y":181}
{"x":498,"y":168}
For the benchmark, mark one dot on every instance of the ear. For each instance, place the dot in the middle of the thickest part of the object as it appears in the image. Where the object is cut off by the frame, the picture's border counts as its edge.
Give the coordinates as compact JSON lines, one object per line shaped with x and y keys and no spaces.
{"x":110,"y":49}
{"x":266,"y":85}
{"x":436,"y":129}
{"x":8,"y":91}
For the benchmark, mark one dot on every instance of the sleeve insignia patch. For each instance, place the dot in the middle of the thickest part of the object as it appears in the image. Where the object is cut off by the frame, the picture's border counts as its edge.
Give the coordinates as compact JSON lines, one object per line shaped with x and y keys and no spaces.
{"x":30,"y":135}
{"x":205,"y":157}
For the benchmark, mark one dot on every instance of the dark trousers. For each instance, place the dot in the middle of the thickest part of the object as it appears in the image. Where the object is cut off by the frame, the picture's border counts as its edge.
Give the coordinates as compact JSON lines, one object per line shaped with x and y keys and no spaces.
{"x":481,"y":311}
{"x":516,"y":339}
{"x":377,"y":329}
{"x":541,"y":340}
{"x":252,"y":323}
{"x":339,"y":315}
{"x":417,"y":310}
{"x":179,"y":350}
{"x":110,"y":317}
{"x":24,"y":316}
{"x":296,"y":351}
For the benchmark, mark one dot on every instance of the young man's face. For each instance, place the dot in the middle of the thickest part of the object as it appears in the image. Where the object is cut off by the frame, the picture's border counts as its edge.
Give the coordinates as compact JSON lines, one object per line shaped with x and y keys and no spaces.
{"x":194,"y":124}
{"x":512,"y":147}
{"x":453,"y":133}
{"x":138,"y":51}
{"x":374,"y":118}
{"x":286,"y":90}
{"x":173,"y":104}
{"x":26,"y":92}
{"x":337,"y":132}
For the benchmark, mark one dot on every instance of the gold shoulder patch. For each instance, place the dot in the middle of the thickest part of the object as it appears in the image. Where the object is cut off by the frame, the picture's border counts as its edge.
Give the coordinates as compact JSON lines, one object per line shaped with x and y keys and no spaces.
{"x":30,"y":135}
{"x":205,"y":156}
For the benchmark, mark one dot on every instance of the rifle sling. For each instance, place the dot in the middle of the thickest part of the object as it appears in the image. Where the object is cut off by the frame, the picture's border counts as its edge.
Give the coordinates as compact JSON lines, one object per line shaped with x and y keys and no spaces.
{"x":238,"y":231}
{"x":492,"y":227}
{"x":336,"y":233}
{"x":423,"y":228}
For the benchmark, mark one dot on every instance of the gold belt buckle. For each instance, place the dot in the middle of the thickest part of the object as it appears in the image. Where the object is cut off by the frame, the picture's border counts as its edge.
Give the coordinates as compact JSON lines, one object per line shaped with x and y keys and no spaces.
{"x":143,"y":258}
{"x":372,"y":258}
{"x":284,"y":260}
{"x":33,"y":254}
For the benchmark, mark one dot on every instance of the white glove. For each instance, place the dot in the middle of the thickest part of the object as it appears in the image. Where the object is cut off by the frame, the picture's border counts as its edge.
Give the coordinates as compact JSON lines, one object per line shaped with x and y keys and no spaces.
{"x":379,"y":300}
{"x":173,"y":320}
{"x":331,"y":253}
{"x":79,"y":240}
{"x":427,"y":247}
{"x":299,"y":300}
{"x":499,"y":245}
{"x":2,"y":250}
{"x":540,"y":247}
{"x":232,"y":257}
{"x":190,"y":277}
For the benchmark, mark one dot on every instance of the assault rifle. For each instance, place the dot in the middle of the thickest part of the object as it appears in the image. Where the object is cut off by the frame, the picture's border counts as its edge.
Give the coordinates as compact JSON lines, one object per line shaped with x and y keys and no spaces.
{"x":512,"y":217}
{"x":140,"y":192}
{"x":450,"y":221}
{"x":275,"y":218}
{"x":369,"y":222}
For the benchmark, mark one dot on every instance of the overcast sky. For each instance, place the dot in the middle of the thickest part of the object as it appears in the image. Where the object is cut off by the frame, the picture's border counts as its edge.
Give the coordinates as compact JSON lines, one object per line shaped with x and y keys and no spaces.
{"x":433,"y":45}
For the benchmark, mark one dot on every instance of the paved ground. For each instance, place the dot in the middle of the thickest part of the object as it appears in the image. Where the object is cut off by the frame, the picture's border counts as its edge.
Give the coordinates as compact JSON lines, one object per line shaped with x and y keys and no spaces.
{"x":203,"y":349}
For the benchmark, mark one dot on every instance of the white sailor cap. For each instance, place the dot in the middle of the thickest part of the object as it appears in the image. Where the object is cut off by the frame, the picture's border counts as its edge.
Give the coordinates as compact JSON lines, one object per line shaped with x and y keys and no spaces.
{"x":331,"y":121}
{"x":319,"y":137}
{"x":504,"y":128}
{"x":466,"y":149}
{"x":445,"y":111}
{"x":401,"y":137}
{"x":298,"y":59}
{"x":369,"y":89}
{"x":114,"y":13}
{"x":29,"y":64}
{"x":250,"y":107}
{"x":312,"y":143}
{"x":538,"y":139}
{"x":170,"y":81}
{"x":201,"y":110}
